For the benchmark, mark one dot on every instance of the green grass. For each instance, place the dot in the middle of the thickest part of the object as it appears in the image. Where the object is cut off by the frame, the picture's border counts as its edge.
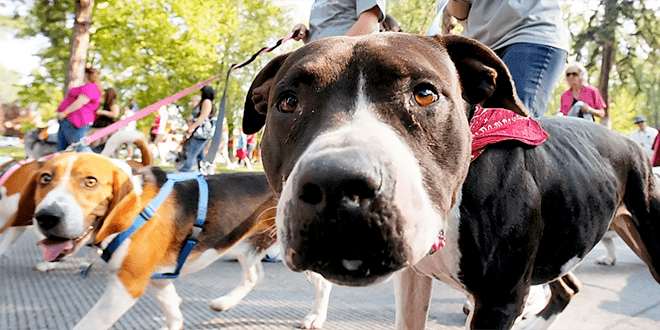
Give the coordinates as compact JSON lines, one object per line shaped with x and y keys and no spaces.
{"x":16,"y":152}
{"x":19,"y":152}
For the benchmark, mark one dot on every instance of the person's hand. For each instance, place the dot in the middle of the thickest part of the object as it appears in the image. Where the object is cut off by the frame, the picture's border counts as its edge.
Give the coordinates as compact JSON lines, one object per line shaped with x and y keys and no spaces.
{"x":585,"y":109}
{"x":188,"y":133}
{"x":302,"y":32}
{"x":61,"y":116}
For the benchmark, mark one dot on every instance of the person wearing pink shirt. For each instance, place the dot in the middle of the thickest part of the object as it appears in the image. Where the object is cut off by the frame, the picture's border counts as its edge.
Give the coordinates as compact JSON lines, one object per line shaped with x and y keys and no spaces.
{"x":77,"y":111}
{"x":581,"y":100}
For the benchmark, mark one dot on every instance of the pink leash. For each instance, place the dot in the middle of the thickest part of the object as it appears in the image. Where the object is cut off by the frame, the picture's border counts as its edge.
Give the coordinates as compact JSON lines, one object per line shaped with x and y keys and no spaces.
{"x":152,"y":108}
{"x":18,"y":165}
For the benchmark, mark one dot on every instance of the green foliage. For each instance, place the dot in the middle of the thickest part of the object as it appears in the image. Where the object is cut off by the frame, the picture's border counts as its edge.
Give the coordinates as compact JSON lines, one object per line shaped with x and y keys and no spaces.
{"x":8,"y":88}
{"x":152,"y":49}
{"x":414,"y":16}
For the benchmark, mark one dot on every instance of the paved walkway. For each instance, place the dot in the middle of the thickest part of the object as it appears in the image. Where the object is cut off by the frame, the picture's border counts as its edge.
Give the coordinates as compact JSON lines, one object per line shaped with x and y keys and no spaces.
{"x":621,"y":297}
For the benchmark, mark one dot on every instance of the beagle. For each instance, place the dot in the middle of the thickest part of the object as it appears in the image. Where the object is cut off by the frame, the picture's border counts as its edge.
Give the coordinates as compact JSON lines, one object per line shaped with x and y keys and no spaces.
{"x":84,"y":198}
{"x":15,"y":174}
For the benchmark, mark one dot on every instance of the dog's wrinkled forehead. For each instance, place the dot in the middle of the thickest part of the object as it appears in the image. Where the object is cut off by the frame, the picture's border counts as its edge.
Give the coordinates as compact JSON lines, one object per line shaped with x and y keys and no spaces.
{"x":384,"y":59}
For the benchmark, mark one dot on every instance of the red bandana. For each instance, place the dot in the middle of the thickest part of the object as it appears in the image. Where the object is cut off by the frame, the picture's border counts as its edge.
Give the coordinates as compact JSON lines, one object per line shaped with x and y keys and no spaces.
{"x":490,"y":126}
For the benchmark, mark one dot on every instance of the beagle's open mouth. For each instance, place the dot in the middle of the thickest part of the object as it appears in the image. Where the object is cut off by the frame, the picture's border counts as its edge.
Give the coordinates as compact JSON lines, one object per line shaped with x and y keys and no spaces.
{"x":58,"y":247}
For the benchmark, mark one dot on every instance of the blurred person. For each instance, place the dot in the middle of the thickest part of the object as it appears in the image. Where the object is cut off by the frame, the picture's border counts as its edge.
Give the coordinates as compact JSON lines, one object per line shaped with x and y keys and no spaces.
{"x":194,"y":102}
{"x":241,"y":149}
{"x":196,"y":143}
{"x":341,"y":17}
{"x":581,"y":100}
{"x":529,"y":36}
{"x":644,"y":135}
{"x":77,"y":111}
{"x":158,"y":133}
{"x":105,"y":116}
{"x":223,"y":151}
{"x":251,"y":144}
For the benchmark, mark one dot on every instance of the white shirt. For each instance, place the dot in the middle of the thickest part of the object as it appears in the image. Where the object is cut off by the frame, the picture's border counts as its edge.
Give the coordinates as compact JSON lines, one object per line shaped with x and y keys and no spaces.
{"x":645,"y":138}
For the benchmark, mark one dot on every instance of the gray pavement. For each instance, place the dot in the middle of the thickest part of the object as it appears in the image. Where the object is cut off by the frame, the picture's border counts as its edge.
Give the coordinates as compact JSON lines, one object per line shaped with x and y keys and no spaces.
{"x":621,"y":297}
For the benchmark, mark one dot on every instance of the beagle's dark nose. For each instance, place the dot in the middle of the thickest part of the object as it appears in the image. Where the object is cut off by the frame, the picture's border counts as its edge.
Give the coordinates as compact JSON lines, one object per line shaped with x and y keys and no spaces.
{"x":49,"y":217}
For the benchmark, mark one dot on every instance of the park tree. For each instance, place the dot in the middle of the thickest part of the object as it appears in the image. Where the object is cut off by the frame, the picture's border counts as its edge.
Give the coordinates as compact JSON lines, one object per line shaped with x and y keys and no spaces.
{"x":619,"y":41}
{"x":150,"y":49}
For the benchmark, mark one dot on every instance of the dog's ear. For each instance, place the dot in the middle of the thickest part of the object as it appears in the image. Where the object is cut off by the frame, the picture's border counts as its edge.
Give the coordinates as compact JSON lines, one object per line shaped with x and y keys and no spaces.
{"x":256,"y":101}
{"x":485,"y":79}
{"x":125,"y":203}
{"x":26,"y":205}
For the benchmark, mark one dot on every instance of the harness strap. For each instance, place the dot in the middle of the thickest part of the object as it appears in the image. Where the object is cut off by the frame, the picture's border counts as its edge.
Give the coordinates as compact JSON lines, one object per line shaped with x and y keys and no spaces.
{"x":151,"y":209}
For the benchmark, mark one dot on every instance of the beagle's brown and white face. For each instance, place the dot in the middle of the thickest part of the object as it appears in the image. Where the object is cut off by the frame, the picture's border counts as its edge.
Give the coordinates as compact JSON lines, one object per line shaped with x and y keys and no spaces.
{"x":71,"y":194}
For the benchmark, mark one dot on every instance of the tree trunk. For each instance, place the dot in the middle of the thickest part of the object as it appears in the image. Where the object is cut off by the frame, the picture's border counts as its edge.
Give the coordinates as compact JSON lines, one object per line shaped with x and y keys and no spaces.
{"x":604,"y":81}
{"x":609,"y":25}
{"x":79,"y":44}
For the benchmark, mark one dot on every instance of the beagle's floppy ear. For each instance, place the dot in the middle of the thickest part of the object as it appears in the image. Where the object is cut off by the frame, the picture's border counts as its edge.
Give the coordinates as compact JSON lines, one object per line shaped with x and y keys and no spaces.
{"x":485,"y":79}
{"x":256,"y":101}
{"x":125,"y":202}
{"x":26,"y":205}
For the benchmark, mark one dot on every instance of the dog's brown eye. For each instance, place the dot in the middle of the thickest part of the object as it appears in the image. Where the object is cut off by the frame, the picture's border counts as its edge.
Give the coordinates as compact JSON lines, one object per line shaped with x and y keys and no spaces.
{"x":288,"y":104}
{"x":425,"y":96}
{"x":90,"y":181}
{"x":45,"y":178}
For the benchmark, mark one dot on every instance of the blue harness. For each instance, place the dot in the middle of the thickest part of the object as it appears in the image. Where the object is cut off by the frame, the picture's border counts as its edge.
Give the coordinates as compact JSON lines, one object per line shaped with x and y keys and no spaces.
{"x":151,"y":209}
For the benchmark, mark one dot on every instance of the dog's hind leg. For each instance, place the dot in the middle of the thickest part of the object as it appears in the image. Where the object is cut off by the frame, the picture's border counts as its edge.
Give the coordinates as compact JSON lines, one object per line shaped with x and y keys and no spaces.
{"x":253,"y":273}
{"x":562,"y":291}
{"x":169,"y":302}
{"x":11,"y":236}
{"x":316,"y":318}
{"x":637,"y":220}
{"x":608,"y":241}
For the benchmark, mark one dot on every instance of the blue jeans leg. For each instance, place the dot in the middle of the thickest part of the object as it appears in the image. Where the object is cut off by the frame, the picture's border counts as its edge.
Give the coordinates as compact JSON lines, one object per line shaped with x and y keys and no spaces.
{"x":535,"y":69}
{"x":68,"y":134}
{"x":195,"y":149}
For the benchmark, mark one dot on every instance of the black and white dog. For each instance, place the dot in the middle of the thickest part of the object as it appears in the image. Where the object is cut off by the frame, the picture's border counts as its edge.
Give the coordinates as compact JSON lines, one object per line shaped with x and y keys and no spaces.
{"x":367,"y":142}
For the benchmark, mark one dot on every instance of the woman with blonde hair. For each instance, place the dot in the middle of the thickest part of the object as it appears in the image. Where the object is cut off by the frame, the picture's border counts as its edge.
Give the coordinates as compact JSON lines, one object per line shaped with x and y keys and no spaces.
{"x":77,"y":111}
{"x":581,"y":100}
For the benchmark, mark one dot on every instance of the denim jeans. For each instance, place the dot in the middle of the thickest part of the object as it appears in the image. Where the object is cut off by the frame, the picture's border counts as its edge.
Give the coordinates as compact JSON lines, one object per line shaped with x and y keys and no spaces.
{"x":68,"y":134}
{"x":195,"y":152}
{"x":535,"y":69}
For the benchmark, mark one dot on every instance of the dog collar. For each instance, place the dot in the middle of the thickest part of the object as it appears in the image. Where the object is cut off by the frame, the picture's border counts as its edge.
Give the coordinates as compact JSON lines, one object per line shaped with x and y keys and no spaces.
{"x":151,"y":209}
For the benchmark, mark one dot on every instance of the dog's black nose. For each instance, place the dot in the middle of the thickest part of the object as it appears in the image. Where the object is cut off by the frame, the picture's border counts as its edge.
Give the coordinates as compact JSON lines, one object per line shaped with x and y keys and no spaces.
{"x":49,"y":217}
{"x":345,"y":200}
{"x":339,"y":185}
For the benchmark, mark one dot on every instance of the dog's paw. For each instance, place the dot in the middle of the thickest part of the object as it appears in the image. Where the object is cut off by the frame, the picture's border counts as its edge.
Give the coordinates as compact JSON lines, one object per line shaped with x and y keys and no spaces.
{"x":44,"y":266}
{"x":605,"y":260}
{"x":223,"y":304}
{"x":313,"y":321}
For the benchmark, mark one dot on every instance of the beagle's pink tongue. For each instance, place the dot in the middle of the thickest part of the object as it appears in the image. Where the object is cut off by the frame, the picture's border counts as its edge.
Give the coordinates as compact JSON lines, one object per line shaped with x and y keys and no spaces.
{"x":51,"y":251}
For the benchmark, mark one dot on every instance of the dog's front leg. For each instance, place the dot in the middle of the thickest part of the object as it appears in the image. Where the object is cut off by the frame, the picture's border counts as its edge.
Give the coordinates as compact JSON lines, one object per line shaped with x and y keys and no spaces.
{"x":317,"y":316}
{"x":169,"y":302}
{"x":253,"y":273}
{"x":11,"y":236}
{"x":114,"y":302}
{"x":412,"y":294}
